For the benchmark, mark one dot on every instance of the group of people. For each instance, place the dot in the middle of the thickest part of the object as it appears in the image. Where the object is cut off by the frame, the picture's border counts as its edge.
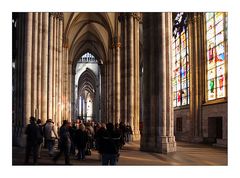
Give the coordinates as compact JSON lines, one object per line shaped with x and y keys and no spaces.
{"x":78,"y":138}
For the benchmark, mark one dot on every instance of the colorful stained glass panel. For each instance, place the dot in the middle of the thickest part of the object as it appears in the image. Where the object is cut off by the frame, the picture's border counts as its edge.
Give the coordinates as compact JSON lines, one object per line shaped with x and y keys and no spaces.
{"x":215,"y":55}
{"x":180,"y":67}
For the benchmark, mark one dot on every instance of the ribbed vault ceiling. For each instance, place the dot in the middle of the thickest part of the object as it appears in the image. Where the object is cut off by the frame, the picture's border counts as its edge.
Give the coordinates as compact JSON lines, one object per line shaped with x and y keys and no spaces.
{"x":88,"y":32}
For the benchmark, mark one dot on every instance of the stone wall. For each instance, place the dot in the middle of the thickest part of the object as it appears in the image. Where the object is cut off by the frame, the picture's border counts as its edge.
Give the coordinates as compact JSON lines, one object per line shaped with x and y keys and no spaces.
{"x":185,"y":134}
{"x":214,"y":112}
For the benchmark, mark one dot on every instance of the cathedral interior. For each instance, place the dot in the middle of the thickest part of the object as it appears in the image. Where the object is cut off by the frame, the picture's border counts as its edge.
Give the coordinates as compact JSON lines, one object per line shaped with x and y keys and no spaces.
{"x":165,"y":74}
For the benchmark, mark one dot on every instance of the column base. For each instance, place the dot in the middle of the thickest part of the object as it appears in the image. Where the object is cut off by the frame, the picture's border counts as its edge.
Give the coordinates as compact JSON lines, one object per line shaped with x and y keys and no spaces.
{"x":168,"y":144}
{"x":18,"y":136}
{"x":136,"y":136}
{"x":221,"y":143}
{"x":159,"y":145}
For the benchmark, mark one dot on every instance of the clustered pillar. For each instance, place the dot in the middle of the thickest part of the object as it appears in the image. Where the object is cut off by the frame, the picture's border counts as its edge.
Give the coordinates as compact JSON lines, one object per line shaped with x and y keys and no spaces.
{"x":27,"y":68}
{"x":131,"y":103}
{"x":195,"y":33}
{"x":122,"y":74}
{"x":40,"y":62}
{"x":157,"y":135}
{"x":44,"y":67}
{"x":117,"y":46}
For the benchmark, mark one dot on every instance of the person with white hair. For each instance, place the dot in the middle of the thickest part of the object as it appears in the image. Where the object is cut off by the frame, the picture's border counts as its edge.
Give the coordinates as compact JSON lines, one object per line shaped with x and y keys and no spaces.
{"x":50,"y":135}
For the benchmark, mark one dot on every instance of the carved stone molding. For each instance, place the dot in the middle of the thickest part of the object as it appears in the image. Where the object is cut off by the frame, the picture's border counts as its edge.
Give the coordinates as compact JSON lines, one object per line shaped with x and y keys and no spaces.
{"x":137,"y":16}
{"x":116,"y":45}
{"x":194,"y":18}
{"x":58,"y":15}
{"x":121,"y":17}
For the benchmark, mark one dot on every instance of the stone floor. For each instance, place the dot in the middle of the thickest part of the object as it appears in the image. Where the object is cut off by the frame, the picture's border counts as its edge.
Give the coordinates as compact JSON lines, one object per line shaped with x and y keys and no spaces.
{"x":187,"y":154}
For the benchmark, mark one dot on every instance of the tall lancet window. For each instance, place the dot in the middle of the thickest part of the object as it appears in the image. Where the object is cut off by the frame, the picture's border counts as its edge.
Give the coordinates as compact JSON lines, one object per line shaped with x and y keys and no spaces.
{"x":216,"y":57}
{"x":180,"y":61}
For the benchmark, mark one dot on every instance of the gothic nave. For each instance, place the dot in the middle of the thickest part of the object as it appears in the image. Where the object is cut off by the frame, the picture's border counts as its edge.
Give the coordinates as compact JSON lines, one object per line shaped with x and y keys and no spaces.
{"x":164,"y":74}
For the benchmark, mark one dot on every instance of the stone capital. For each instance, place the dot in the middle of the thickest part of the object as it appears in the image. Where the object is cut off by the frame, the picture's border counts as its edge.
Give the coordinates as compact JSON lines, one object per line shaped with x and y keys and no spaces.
{"x":193,"y":19}
{"x":116,"y":45}
{"x":121,"y":17}
{"x":58,"y":15}
{"x":137,"y":16}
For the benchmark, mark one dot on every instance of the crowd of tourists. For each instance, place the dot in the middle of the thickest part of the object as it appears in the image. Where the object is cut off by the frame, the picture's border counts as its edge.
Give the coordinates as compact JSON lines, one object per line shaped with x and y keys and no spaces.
{"x":78,"y":139}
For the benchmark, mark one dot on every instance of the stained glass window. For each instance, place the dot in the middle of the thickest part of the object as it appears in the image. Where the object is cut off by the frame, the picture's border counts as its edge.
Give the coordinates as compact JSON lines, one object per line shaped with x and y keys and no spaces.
{"x":180,"y":61}
{"x":215,"y":55}
{"x":88,"y":58}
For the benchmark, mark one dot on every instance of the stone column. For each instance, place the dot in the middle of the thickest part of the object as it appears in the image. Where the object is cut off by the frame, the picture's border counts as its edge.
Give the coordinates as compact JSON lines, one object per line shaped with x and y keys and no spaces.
{"x":123,"y":67}
{"x":110,"y":87}
{"x":69,"y":89}
{"x":34,"y":65}
{"x":125,"y":102}
{"x":50,"y":67}
{"x":19,"y":57}
{"x":44,"y":83}
{"x":136,"y":133}
{"x":21,"y":70}
{"x":108,"y":91}
{"x":105,"y":89}
{"x":170,"y":145}
{"x":158,"y":112}
{"x":66,"y":82}
{"x":18,"y":76}
{"x":85,"y":107}
{"x":195,"y":33}
{"x":113,"y":82}
{"x":130,"y":66}
{"x":117,"y":75}
{"x":57,"y":72}
{"x":28,"y":68}
{"x":148,"y":30}
{"x":72,"y":80}
{"x":39,"y":66}
{"x":60,"y":70}
{"x":54,"y":59}
{"x":163,"y":79}
{"x":81,"y":106}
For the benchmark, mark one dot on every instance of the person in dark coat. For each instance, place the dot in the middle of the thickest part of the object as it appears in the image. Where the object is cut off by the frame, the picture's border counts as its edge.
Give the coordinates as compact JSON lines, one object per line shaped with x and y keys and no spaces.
{"x":33,"y":136}
{"x":81,"y":141}
{"x":99,"y":129}
{"x":109,"y":145}
{"x":40,"y":139}
{"x":72,"y":131}
{"x":64,"y":143}
{"x":98,"y":136}
{"x":122,"y":130}
{"x":128,"y":132}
